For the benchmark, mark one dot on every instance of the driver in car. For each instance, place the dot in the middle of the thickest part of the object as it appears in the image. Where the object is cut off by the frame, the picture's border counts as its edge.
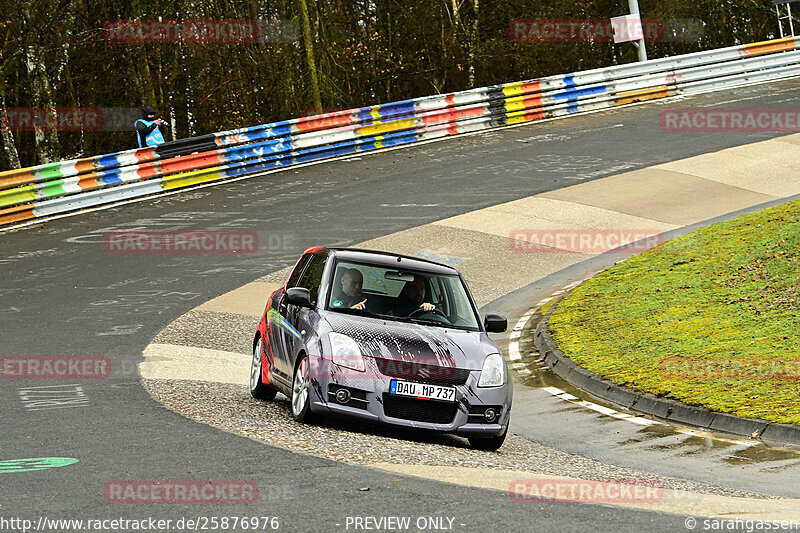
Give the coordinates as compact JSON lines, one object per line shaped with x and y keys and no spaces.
{"x":350,"y":295}
{"x":412,"y":298}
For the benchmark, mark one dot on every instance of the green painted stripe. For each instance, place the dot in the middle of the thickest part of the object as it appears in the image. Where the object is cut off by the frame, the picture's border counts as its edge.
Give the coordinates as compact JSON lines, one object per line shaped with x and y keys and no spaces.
{"x":49,"y":172}
{"x":38,"y":463}
{"x":51,"y":189}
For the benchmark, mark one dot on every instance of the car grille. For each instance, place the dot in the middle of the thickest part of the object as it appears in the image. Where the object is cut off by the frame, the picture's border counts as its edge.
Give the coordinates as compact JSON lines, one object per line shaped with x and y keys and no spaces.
{"x":429,"y":411}
{"x":423,"y":373}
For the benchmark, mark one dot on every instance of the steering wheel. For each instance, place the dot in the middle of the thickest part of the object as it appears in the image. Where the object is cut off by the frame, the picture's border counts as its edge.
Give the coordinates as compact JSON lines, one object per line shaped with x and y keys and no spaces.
{"x":420,"y":311}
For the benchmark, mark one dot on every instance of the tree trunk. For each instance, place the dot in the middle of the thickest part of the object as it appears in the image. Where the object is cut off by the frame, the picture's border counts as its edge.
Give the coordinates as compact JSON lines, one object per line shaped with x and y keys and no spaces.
{"x":309,"y":46}
{"x":389,"y":47}
{"x":9,"y":146}
{"x":473,"y":41}
{"x":187,"y":74}
{"x":47,"y":145}
{"x":147,"y":83}
{"x":454,"y":13}
{"x":46,"y":140}
{"x":66,"y":37}
{"x":190,"y":122}
{"x":258,"y":24}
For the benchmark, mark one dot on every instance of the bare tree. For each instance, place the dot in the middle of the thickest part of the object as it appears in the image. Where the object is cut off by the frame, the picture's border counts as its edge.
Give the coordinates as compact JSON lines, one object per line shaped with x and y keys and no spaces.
{"x":474,"y":41}
{"x":308,"y":41}
{"x":47,"y":146}
{"x":7,"y":136}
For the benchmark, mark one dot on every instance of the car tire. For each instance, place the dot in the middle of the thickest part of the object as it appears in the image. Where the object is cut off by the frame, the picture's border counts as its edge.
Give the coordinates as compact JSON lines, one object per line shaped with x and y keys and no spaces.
{"x":301,"y":393}
{"x":258,"y":389}
{"x":488,"y":444}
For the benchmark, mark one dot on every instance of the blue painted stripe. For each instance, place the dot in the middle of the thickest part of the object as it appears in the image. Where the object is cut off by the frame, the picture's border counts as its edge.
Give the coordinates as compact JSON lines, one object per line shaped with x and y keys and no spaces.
{"x":110,"y":180}
{"x":109,"y":160}
{"x":256,"y":150}
{"x":405,"y":107}
{"x":109,"y":177}
{"x":271,"y":162}
{"x":572,"y":95}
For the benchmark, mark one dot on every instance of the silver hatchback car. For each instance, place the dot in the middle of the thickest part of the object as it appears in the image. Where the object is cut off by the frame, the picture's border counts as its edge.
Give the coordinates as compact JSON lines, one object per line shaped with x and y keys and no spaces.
{"x":384,"y":338}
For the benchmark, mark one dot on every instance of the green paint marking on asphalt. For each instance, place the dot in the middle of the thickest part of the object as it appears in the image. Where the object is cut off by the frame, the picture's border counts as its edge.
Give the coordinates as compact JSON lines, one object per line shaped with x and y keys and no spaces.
{"x":38,"y":463}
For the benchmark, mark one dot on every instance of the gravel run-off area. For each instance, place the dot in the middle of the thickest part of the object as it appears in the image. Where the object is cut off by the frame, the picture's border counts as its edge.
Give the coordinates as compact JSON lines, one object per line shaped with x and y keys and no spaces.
{"x":230,"y":407}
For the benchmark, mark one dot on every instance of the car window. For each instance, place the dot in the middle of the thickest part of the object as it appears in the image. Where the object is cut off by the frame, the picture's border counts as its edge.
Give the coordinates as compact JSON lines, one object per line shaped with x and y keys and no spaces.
{"x":383,"y":291}
{"x":312,"y":277}
{"x":375,"y":282}
{"x":436,"y":295}
{"x":461,"y":309}
{"x":294,"y":278}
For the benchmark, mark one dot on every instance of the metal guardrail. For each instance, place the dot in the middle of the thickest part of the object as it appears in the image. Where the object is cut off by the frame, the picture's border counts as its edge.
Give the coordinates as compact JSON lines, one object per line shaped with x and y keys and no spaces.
{"x":65,"y":186}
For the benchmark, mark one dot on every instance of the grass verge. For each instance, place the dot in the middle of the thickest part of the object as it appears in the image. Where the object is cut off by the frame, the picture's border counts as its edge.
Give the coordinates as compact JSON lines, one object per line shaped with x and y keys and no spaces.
{"x":711,"y":318}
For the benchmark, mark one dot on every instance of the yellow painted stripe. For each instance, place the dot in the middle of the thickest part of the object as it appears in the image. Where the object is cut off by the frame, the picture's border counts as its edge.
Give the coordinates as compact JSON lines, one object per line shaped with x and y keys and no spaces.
{"x":18,"y":195}
{"x":642,"y":95}
{"x":515,"y":104}
{"x":513,"y":89}
{"x":517,"y":119}
{"x":375,"y":112}
{"x":191,"y":178}
{"x":769,"y":47}
{"x":384,"y":127}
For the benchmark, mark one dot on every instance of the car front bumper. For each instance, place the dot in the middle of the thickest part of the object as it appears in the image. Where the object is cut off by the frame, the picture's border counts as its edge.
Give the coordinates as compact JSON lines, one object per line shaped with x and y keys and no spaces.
{"x":369,"y":392}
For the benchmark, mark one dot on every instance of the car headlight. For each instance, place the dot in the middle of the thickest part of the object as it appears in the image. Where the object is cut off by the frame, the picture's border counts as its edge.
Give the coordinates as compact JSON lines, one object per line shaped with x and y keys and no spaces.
{"x":346,"y":352}
{"x":493,"y":373}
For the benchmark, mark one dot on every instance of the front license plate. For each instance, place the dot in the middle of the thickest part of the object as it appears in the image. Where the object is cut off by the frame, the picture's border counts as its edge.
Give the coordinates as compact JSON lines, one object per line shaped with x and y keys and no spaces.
{"x":422,"y":391}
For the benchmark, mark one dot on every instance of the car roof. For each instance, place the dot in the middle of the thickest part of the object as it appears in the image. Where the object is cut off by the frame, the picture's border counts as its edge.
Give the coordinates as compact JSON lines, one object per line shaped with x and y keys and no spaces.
{"x":389,"y":259}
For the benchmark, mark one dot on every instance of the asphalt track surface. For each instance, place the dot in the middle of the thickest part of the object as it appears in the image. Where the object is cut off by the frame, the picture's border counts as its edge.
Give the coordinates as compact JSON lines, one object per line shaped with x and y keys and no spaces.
{"x":61,"y":293}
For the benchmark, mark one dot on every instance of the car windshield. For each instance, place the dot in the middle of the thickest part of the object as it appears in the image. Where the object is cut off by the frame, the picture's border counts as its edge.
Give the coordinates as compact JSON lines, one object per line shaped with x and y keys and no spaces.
{"x":403,"y":295}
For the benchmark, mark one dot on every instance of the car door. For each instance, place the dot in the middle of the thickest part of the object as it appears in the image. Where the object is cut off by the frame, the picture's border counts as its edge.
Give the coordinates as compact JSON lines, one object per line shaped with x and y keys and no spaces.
{"x":278,"y":321}
{"x":298,"y":317}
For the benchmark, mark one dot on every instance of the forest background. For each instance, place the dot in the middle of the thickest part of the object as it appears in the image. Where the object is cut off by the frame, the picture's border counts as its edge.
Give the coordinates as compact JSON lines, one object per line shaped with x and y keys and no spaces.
{"x":309,"y":56}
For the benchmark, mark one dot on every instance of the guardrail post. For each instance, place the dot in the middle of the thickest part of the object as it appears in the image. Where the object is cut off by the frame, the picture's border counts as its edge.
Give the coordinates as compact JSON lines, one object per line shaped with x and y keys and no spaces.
{"x":634,"y":6}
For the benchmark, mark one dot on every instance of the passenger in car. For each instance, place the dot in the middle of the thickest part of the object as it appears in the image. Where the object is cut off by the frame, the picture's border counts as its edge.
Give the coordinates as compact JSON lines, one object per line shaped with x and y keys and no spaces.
{"x":412,"y":298}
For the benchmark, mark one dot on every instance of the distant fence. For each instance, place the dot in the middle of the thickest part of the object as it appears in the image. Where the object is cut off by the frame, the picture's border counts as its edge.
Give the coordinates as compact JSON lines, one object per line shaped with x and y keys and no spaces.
{"x":50,"y":189}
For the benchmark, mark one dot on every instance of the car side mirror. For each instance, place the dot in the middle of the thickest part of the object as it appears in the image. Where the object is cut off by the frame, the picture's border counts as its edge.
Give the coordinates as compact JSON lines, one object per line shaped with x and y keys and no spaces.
{"x":495,"y":323}
{"x":299,"y":296}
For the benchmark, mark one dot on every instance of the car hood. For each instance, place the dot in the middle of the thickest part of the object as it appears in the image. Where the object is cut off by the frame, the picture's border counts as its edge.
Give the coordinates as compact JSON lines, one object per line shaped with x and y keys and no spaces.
{"x":415,"y":343}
